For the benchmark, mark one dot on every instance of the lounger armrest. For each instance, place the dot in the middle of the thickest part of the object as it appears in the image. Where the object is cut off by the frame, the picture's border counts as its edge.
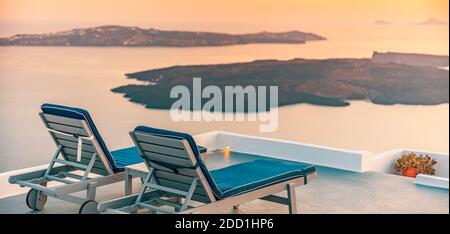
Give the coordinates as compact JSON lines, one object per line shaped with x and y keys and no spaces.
{"x":202,"y":149}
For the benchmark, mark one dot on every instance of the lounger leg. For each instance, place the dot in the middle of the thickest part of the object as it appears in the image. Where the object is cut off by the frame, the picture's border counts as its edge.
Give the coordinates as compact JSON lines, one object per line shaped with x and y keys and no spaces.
{"x":178,"y":200}
{"x":39,"y":193}
{"x":187,"y":199}
{"x":91,"y":191}
{"x":129,"y":186}
{"x":144,"y":187}
{"x":128,"y":183}
{"x":292,"y":199}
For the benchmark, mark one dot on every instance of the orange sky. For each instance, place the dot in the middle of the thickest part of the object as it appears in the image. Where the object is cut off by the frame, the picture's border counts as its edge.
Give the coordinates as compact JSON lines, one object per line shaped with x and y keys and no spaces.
{"x":206,"y":14}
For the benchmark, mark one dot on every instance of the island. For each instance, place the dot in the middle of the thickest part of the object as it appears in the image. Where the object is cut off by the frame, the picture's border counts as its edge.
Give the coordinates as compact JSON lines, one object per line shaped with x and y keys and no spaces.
{"x":328,"y":82}
{"x":432,"y":22}
{"x":382,"y":22}
{"x":411,"y":59}
{"x":135,"y":36}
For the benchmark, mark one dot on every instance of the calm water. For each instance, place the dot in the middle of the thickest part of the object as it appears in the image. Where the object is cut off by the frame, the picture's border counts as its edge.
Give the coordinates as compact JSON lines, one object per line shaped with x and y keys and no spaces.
{"x":30,"y":76}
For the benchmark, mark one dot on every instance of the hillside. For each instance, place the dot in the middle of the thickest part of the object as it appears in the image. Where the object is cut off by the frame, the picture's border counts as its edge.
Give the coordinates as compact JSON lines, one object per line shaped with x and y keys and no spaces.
{"x":135,"y":36}
{"x":329,"y":82}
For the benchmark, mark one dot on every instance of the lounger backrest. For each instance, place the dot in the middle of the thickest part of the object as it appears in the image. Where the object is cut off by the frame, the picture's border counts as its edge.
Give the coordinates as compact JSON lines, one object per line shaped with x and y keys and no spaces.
{"x":163,"y":151}
{"x":65,"y":125}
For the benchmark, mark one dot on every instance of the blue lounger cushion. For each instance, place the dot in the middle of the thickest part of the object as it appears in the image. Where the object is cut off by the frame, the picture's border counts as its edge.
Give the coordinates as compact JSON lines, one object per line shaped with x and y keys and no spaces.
{"x":244,"y":182}
{"x":125,"y":157}
{"x":244,"y":177}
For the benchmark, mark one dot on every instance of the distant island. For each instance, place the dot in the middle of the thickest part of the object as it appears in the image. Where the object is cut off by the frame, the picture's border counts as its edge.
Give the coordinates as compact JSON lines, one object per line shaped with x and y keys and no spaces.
{"x":432,"y":21}
{"x":135,"y":36}
{"x":329,"y":82}
{"x":382,"y":22}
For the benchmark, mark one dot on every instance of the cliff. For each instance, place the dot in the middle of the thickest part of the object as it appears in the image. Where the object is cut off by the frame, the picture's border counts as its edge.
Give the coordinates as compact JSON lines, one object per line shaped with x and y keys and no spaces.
{"x":411,"y":59}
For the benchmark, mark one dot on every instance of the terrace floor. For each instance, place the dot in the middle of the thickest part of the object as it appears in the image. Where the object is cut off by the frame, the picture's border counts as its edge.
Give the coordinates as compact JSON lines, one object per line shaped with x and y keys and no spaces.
{"x":333,"y":191}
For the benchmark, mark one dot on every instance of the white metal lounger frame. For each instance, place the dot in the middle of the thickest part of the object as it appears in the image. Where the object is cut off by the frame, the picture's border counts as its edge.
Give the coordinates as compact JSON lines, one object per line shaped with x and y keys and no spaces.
{"x":80,"y":151}
{"x":177,"y":190}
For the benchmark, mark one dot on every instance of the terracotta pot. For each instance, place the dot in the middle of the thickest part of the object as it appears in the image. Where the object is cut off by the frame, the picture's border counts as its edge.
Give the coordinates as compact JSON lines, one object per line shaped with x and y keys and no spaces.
{"x":410,"y":172}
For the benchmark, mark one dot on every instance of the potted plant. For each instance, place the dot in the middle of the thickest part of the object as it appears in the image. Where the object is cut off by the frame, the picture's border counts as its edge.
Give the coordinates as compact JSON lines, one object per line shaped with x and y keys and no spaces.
{"x":410,"y":164}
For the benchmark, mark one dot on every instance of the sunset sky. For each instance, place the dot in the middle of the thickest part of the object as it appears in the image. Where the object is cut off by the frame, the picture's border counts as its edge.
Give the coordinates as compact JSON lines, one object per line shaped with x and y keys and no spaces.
{"x":229,"y":15}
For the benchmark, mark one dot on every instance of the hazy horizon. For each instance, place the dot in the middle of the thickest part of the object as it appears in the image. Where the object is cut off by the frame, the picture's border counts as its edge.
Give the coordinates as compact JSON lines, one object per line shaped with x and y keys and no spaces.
{"x":27,"y":16}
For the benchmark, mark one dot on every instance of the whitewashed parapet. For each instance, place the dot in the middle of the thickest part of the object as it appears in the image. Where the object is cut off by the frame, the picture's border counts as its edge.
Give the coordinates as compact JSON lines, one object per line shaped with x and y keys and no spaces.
{"x":433,"y":181}
{"x":384,"y":162}
{"x":357,"y":161}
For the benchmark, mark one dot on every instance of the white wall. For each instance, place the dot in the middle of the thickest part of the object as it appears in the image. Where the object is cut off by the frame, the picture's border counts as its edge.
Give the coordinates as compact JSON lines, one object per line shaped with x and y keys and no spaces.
{"x":442,"y":160}
{"x":207,"y":139}
{"x":433,"y":181}
{"x":384,"y":162}
{"x":289,"y":150}
{"x":320,"y":155}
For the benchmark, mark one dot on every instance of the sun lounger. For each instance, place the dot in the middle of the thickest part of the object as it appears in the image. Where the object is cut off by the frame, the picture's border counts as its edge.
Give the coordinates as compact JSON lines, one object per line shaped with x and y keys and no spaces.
{"x":177,"y":176}
{"x":80,"y":148}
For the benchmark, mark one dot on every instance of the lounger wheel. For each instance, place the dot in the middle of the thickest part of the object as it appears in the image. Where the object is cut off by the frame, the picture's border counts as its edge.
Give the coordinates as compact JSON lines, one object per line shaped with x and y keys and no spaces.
{"x":89,"y":207}
{"x":34,"y":202}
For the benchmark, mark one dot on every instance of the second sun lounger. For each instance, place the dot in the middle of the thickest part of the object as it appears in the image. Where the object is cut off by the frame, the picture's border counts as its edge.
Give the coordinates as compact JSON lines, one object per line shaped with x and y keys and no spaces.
{"x":177,"y":176}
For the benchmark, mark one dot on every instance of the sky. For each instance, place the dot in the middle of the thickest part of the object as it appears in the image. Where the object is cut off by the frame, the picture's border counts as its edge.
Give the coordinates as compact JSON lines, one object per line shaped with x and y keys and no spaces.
{"x":36,"y":16}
